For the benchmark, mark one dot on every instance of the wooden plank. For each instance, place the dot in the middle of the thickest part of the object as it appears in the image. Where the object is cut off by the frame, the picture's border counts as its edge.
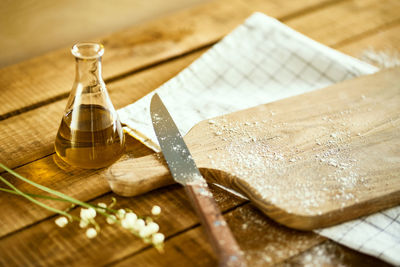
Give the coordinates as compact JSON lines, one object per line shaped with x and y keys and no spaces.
{"x":279,"y":244}
{"x":31,"y":135}
{"x":180,"y":250}
{"x":190,"y":247}
{"x":50,"y":76}
{"x":21,"y":212}
{"x":351,"y":19}
{"x":44,"y":170}
{"x":32,"y":240}
{"x":27,"y":26}
{"x":15,"y":132}
{"x":46,"y":244}
{"x":330,"y":254}
{"x":386,"y":40}
{"x":51,"y":172}
{"x":263,"y":241}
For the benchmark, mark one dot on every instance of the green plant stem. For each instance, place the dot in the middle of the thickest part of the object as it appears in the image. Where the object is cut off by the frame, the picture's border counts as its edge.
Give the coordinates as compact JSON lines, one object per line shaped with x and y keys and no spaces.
{"x":52,"y":198}
{"x":60,"y":197}
{"x":37,"y":202}
{"x":44,"y":188}
{"x":33,"y":195}
{"x":53,"y":192}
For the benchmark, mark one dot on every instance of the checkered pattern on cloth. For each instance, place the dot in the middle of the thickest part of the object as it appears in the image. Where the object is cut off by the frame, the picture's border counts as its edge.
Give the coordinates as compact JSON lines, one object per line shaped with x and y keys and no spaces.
{"x":262,"y":61}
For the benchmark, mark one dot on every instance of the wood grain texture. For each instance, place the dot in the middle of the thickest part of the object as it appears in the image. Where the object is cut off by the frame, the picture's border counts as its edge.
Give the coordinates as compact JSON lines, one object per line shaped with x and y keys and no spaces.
{"x":264,"y":242}
{"x":50,"y":76}
{"x":23,"y":140}
{"x":49,"y":245}
{"x":352,"y":19}
{"x":309,"y":161}
{"x":330,"y":254}
{"x":261,"y":249}
{"x":48,"y":170}
{"x":31,"y":135}
{"x":386,"y":40}
{"x":27,"y":26}
{"x":16,"y":135}
{"x":218,"y":232}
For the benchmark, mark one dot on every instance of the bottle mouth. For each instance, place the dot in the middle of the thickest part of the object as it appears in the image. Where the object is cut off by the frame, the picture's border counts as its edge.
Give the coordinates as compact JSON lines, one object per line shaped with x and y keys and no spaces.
{"x":87,"y":50}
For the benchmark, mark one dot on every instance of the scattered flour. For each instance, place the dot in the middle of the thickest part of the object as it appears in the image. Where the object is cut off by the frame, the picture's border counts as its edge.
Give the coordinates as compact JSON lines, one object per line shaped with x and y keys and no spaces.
{"x":382,"y":59}
{"x":326,"y":254}
{"x":265,"y":242}
{"x":273,"y":163}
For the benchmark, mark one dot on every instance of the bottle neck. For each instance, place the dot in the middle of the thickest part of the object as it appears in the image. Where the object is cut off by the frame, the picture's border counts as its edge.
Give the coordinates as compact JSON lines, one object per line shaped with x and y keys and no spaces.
{"x":88,"y":72}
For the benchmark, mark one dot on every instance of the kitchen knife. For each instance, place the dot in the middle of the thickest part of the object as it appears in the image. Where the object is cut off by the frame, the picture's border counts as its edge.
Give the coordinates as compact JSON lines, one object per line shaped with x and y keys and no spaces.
{"x":185,"y":172}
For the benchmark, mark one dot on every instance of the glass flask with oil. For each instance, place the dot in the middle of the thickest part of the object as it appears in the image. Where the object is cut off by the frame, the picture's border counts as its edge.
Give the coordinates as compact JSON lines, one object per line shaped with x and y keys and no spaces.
{"x":90,"y":135}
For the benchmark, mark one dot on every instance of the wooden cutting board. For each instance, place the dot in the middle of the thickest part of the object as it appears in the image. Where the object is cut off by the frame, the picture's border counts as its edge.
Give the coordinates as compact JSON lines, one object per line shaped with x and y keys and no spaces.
{"x":308,"y":161}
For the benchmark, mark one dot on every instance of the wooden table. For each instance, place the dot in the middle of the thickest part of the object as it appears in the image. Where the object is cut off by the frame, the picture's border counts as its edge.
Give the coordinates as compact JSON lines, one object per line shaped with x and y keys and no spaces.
{"x":138,"y":60}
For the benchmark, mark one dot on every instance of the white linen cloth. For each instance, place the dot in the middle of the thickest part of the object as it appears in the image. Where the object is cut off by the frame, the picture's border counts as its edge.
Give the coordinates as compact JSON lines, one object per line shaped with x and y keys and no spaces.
{"x":262,"y":61}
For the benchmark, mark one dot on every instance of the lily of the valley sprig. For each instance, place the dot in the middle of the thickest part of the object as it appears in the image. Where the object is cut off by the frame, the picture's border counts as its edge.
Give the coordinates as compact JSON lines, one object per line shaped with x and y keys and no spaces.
{"x":142,"y":227}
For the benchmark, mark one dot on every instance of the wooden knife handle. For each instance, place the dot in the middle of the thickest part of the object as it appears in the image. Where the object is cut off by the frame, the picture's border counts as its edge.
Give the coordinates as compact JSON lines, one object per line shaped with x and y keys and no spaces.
{"x":132,"y":177}
{"x":136,"y":176}
{"x":217,"y":230}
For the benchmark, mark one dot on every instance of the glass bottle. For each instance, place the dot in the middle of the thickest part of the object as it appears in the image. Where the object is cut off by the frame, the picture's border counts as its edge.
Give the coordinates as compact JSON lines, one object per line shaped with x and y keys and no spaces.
{"x":90,"y":135}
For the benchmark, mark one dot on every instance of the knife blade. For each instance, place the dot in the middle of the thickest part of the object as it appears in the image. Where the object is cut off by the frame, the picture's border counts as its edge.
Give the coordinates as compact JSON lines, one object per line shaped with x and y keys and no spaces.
{"x":184,"y":171}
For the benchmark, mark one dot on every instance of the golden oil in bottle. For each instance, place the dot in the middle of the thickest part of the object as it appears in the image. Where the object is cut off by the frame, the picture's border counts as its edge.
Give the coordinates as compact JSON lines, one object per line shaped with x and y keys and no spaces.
{"x":90,"y":137}
{"x":90,"y":134}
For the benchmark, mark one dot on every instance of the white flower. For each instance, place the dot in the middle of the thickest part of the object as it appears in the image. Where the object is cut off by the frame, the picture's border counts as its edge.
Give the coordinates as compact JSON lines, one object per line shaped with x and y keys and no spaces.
{"x":91,"y":233}
{"x":83,"y":223}
{"x":127,"y":223}
{"x":129,"y":220}
{"x":61,"y":221}
{"x":158,"y":238}
{"x":153,"y":227}
{"x":145,"y":232}
{"x":131,"y":217}
{"x":87,"y":214}
{"x":102,"y":206}
{"x":121,"y":213}
{"x":91,"y":213}
{"x":111,"y":219}
{"x":139,"y":225}
{"x":156,"y":210}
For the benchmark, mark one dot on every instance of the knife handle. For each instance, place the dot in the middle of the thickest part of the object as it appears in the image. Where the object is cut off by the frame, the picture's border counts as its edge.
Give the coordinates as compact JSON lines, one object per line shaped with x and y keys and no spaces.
{"x":217,"y":230}
{"x":132,"y":177}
